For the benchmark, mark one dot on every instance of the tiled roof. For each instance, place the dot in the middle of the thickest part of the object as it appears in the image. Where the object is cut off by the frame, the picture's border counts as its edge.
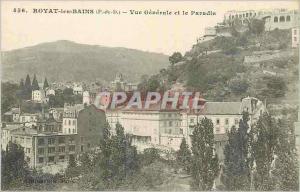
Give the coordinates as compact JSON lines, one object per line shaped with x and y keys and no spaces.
{"x":221,"y":108}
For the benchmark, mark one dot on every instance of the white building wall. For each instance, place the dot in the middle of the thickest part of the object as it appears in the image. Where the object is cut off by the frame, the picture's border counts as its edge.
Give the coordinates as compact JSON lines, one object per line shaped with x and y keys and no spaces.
{"x":295,"y":37}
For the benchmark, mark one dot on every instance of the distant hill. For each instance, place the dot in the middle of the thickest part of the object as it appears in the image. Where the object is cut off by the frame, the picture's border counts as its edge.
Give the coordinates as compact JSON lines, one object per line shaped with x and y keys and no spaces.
{"x":69,"y":61}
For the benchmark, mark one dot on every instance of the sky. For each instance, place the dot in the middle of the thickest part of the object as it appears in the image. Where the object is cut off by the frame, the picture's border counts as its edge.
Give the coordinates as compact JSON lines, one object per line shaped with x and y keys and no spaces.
{"x":162,"y":34}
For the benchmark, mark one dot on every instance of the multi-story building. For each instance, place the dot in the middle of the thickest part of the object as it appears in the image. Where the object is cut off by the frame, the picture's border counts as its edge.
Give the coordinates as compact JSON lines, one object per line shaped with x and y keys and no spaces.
{"x":77,"y":89}
{"x":38,"y":96}
{"x":70,"y":116}
{"x":13,"y":115}
{"x":277,"y":18}
{"x":167,"y":128}
{"x":295,"y":37}
{"x":45,"y":145}
{"x":29,"y":119}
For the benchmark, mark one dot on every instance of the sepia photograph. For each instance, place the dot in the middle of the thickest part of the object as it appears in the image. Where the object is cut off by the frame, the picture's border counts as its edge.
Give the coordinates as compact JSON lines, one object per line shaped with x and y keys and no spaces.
{"x":150,"y":95}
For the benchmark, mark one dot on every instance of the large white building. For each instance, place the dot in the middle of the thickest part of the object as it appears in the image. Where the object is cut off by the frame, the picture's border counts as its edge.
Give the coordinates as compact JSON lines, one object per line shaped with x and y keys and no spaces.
{"x":277,"y":18}
{"x":166,"y":128}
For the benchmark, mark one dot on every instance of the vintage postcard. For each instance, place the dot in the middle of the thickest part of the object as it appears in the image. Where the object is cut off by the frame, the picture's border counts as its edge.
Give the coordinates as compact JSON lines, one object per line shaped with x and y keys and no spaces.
{"x":150,"y":95}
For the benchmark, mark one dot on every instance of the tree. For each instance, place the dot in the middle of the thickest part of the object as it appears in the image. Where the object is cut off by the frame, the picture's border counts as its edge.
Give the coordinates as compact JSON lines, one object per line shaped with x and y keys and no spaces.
{"x":175,"y":58}
{"x":205,"y":165}
{"x":72,"y":169}
{"x":9,"y":94}
{"x":46,"y":85}
{"x":184,"y":156}
{"x":119,"y":158}
{"x":263,"y":144}
{"x":286,"y":169}
{"x":28,"y":88}
{"x":256,"y":26}
{"x":13,"y":167}
{"x":236,"y":172}
{"x":149,"y":156}
{"x":35,"y":84}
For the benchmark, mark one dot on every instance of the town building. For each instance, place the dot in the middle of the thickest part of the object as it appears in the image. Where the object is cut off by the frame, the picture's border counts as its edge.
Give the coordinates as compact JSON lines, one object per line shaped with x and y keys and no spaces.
{"x":13,"y":115}
{"x":70,"y":116}
{"x":77,"y":89}
{"x":158,"y":128}
{"x":46,"y":147}
{"x":29,"y":119}
{"x":277,"y":18}
{"x":38,"y":96}
{"x":49,"y":92}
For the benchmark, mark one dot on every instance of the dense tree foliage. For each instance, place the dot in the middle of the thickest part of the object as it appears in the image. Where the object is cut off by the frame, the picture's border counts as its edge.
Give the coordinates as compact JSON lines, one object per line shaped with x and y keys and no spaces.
{"x":236,"y":172}
{"x":9,"y":96}
{"x":184,"y":156}
{"x":35,"y":84}
{"x":205,"y":164}
{"x":175,"y":58}
{"x":13,"y":167}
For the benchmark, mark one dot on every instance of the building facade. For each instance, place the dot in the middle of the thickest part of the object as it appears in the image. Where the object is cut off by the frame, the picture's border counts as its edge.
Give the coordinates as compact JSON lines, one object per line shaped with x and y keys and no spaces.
{"x":295,"y":37}
{"x":47,"y":147}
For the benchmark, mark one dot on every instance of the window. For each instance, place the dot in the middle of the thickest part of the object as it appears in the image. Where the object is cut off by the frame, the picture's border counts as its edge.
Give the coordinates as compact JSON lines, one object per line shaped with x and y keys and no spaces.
{"x":51,"y":149}
{"x":27,"y":150}
{"x":170,"y":123}
{"x":169,"y":115}
{"x":275,"y":19}
{"x":295,"y":31}
{"x":295,"y":38}
{"x":69,"y":130}
{"x":247,"y":14}
{"x":41,"y":151}
{"x":74,"y":121}
{"x":69,"y":122}
{"x":226,"y":121}
{"x":81,"y":148}
{"x":61,"y":140}
{"x":51,"y":141}
{"x":71,"y":140}
{"x":72,"y":148}
{"x":41,"y":160}
{"x":217,"y":129}
{"x":281,"y":19}
{"x":61,"y":149}
{"x":236,"y":121}
{"x":191,"y":120}
{"x":218,"y":121}
{"x":181,"y":131}
{"x":61,"y":157}
{"x":41,"y":141}
{"x":288,"y":18}
{"x":88,"y":145}
{"x":250,"y":14}
{"x":51,"y":159}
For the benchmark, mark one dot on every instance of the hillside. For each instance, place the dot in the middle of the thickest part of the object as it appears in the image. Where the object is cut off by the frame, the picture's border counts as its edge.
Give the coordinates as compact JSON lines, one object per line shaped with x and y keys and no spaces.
{"x":229,"y":68}
{"x":69,"y":61}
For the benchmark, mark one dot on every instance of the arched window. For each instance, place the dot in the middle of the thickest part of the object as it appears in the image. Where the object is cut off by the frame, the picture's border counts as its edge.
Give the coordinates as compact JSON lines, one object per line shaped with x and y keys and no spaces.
{"x":281,"y":19}
{"x":288,"y":18}
{"x":275,"y":19}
